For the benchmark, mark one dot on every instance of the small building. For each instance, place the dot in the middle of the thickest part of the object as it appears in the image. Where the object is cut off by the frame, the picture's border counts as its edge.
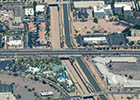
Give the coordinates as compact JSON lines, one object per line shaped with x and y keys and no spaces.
{"x":42,"y":25}
{"x":99,"y":12}
{"x":107,"y":9}
{"x":30,"y":25}
{"x":29,"y":11}
{"x":14,"y":41}
{"x":42,"y":39}
{"x":48,"y":93}
{"x":40,"y":8}
{"x":17,"y":11}
{"x":17,"y":20}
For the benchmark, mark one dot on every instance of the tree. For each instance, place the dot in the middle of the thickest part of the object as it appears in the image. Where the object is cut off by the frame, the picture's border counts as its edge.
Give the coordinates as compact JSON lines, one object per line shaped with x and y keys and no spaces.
{"x":95,"y":20}
{"x":130,"y":77}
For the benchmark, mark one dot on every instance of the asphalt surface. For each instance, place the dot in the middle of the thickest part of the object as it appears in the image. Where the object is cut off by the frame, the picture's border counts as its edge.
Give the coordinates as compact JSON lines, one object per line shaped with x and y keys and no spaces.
{"x":66,"y":27}
{"x":66,"y":52}
{"x":81,"y":63}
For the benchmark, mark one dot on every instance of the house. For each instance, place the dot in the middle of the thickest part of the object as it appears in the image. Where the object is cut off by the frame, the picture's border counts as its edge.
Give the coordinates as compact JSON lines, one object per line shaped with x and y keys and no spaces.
{"x":42,"y":39}
{"x":30,"y":25}
{"x":40,"y":8}
{"x":42,"y":25}
{"x":29,"y":11}
{"x":14,"y":41}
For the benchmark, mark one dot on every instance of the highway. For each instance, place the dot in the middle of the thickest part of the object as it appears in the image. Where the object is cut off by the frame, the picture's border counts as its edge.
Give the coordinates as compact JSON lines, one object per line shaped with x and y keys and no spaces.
{"x":79,"y":60}
{"x":65,"y":52}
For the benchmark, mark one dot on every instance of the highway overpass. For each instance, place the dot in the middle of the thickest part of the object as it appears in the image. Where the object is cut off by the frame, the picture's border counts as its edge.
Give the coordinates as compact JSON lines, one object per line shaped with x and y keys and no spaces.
{"x":65,"y":52}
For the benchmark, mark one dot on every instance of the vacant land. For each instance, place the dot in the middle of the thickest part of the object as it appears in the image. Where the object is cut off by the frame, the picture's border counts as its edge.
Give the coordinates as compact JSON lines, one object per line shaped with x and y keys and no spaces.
{"x":126,"y":69}
{"x":89,"y":27}
{"x":20,"y":84}
{"x":55,"y":34}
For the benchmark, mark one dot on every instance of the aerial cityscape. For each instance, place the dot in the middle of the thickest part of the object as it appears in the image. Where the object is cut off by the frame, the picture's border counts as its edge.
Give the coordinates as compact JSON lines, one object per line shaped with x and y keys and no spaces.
{"x":69,"y":49}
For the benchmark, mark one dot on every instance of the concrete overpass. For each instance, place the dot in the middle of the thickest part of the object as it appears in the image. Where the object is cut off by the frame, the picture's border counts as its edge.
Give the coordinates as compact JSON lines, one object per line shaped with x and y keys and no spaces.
{"x":64,"y":52}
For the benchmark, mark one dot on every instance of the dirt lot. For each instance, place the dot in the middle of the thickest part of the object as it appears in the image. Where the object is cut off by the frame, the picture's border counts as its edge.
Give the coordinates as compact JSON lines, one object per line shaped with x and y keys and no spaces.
{"x":126,"y":69}
{"x":55,"y":35}
{"x":89,"y":27}
{"x":20,"y":84}
{"x":126,"y":97}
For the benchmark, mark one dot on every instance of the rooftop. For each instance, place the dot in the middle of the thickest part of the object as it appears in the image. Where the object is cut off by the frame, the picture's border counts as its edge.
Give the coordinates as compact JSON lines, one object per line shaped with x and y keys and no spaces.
{"x":30,"y":25}
{"x":5,"y":88}
{"x":42,"y":25}
{"x":40,"y":8}
{"x":86,"y":4}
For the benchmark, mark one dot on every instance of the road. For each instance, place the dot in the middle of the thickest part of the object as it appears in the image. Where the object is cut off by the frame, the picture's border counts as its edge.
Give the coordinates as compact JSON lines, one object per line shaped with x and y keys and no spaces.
{"x":65,"y":52}
{"x":81,"y":63}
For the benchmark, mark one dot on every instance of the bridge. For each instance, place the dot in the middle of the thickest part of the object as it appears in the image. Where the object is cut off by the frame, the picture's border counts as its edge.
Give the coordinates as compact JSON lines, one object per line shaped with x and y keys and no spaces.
{"x":90,"y":95}
{"x":64,"y":52}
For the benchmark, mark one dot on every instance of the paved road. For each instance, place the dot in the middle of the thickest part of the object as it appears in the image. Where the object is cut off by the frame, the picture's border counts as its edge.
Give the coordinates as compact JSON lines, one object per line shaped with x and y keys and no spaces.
{"x":66,"y":27}
{"x":66,"y":52}
{"x":81,"y":63}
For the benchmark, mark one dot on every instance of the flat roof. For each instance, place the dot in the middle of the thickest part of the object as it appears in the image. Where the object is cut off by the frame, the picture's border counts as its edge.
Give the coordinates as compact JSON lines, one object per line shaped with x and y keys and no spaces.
{"x":98,"y":9}
{"x":5,"y":88}
{"x":94,"y":38}
{"x":86,"y":4}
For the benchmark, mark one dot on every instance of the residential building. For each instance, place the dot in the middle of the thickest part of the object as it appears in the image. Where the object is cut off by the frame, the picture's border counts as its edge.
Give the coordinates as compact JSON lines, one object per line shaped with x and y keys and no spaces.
{"x":29,"y":11}
{"x":14,"y":41}
{"x":40,"y":8}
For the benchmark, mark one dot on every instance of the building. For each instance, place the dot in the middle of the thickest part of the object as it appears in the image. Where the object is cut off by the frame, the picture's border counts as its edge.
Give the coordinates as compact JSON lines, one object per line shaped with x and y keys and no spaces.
{"x":40,"y":8}
{"x":87,"y":4}
{"x":30,"y":26}
{"x":29,"y":11}
{"x":92,"y":40}
{"x":14,"y":41}
{"x":42,"y":25}
{"x":123,"y":9}
{"x":42,"y":39}
{"x":99,"y":12}
{"x":17,"y":11}
{"x":6,"y":92}
{"x":107,"y":9}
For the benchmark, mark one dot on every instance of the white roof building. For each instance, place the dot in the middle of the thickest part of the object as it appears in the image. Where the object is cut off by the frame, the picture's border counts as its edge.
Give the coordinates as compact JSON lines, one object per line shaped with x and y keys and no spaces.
{"x":14,"y":42}
{"x":126,"y":7}
{"x":40,"y":8}
{"x":94,"y":39}
{"x":86,"y":4}
{"x":29,"y":11}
